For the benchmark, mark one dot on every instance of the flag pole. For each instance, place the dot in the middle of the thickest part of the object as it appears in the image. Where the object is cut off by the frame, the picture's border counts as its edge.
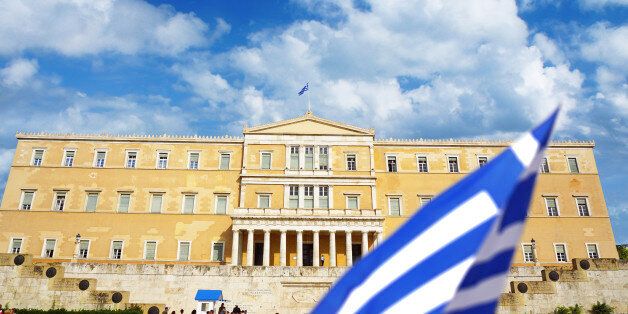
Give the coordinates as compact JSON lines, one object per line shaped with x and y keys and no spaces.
{"x":309,"y":105}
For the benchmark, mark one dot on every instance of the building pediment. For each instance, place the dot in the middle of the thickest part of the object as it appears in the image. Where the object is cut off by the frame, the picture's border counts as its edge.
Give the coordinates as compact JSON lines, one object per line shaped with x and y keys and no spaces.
{"x":309,"y":124}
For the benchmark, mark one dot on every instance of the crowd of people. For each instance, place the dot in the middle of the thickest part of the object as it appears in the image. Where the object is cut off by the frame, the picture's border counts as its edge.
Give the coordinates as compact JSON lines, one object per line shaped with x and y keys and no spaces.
{"x":221,"y":310}
{"x":7,"y":310}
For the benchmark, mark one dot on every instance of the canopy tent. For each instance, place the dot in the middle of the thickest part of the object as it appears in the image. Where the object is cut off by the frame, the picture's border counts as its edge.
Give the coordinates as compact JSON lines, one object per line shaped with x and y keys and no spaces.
{"x":209,"y":295}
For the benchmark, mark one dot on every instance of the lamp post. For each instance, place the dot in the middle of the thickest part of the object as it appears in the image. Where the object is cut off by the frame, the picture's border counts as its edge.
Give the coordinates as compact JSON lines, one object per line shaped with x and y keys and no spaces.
{"x":77,"y":242}
{"x":536,"y":260}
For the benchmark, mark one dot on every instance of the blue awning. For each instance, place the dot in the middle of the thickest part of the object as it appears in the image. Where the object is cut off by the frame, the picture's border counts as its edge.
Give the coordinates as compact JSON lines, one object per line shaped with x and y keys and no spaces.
{"x":208,"y":295}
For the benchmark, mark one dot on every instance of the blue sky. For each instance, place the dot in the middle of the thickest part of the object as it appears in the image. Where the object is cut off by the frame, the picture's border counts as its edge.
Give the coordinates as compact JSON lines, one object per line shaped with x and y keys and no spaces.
{"x":409,"y":69}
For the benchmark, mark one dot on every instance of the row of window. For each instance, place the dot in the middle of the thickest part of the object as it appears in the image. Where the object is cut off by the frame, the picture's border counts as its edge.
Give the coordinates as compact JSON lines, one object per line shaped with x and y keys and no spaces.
{"x":117,"y":249}
{"x":188,"y":203}
{"x":560,"y":250}
{"x":308,"y":160}
{"x":100,"y":159}
{"x":582,"y":203}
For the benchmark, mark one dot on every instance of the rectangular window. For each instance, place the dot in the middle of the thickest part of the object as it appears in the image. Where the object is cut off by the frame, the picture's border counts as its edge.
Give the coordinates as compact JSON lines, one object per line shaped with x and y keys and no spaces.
{"x":352,"y":202}
{"x":394,"y":206}
{"x":592,"y":251}
{"x":323,"y":158}
{"x":308,"y":196}
{"x":309,"y":158}
{"x":552,"y":207}
{"x":150,"y":250}
{"x":131,"y":159}
{"x":99,"y":162}
{"x":92,"y":201}
{"x":116,"y":249}
{"x":424,"y":200}
{"x":544,"y":168}
{"x":162,"y":160}
{"x":225,"y":159}
{"x":221,"y":204}
{"x":294,"y":157}
{"x":265,"y":162}
{"x":189,"y":202}
{"x":351,"y":162}
{"x":453,"y":164}
{"x":573,"y":165}
{"x":83,"y":249}
{"x":59,"y":203}
{"x":68,"y":159}
{"x":263,"y":201}
{"x":38,"y":157}
{"x":218,"y":250}
{"x":323,"y":196}
{"x":583,"y":206}
{"x":482,"y":161}
{"x":528,"y":253}
{"x":293,"y":197}
{"x":16,"y":246}
{"x":27,"y":200}
{"x":561,"y":252}
{"x":155,"y":203}
{"x":391,"y":161}
{"x":193,"y":164}
{"x":49,"y":248}
{"x":124,"y":202}
{"x":422,"y":163}
{"x":184,"y":251}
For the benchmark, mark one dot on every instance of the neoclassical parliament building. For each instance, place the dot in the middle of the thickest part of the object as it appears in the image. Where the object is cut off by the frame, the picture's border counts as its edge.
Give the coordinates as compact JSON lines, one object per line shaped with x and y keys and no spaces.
{"x":300,"y":192}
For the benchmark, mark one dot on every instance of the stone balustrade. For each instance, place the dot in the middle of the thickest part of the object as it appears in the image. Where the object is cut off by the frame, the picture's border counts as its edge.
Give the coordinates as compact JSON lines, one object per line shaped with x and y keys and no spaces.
{"x":300,"y":212}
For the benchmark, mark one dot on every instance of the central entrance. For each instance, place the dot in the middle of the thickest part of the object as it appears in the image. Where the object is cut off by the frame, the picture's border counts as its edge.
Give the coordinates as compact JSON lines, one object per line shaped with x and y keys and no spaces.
{"x":258,"y":259}
{"x":356,"y":252}
{"x":308,"y":254}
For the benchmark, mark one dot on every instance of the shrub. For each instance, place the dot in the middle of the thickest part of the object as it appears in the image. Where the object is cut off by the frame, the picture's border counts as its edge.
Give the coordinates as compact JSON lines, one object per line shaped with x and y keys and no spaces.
{"x":576,"y":309}
{"x":622,"y":251}
{"x":601,"y":308}
{"x":133,"y":310}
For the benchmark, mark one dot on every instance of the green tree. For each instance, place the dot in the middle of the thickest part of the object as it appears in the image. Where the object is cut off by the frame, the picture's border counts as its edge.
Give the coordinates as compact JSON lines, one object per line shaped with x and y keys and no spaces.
{"x":623,"y":252}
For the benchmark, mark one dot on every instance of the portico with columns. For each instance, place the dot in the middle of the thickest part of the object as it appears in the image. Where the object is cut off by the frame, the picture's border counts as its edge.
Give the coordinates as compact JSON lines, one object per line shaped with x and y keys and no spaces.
{"x":302,"y":237}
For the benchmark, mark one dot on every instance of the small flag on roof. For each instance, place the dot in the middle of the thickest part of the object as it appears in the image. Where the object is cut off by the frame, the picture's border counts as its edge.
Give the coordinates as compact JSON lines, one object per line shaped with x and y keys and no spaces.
{"x":304,"y":89}
{"x":452,"y":256}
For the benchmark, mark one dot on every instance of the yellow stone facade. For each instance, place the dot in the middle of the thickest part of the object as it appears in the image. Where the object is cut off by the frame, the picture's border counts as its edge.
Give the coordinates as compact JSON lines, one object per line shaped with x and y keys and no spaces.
{"x":344,"y":168}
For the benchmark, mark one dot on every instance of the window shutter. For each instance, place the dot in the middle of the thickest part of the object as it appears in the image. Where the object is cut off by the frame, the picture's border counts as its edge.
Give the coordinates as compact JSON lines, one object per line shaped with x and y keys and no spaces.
{"x":28,"y":198}
{"x":156,"y":203}
{"x":123,"y":206}
{"x":188,"y":206}
{"x":394,"y":206}
{"x":265,"y":161}
{"x":151,"y":248}
{"x":92,"y":200}
{"x":184,"y":251}
{"x":221,"y":205}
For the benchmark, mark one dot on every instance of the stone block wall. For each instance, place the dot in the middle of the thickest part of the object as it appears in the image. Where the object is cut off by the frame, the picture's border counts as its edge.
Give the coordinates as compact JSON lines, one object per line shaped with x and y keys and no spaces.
{"x":275,"y":289}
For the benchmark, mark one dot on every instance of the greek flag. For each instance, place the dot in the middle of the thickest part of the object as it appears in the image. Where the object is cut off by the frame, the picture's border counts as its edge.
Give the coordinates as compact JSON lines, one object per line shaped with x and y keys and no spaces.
{"x":453,"y":255}
{"x":304,"y":89}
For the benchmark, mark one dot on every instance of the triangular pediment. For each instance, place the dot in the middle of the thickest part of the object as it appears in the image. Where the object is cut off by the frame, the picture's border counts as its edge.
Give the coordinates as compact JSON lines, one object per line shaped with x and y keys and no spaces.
{"x":309,"y":124}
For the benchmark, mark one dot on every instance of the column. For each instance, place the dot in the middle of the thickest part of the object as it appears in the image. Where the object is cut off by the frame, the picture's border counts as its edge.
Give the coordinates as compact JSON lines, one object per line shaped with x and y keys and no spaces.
{"x":332,"y":248}
{"x":365,"y":242}
{"x":380,"y":237}
{"x":317,"y":255}
{"x":282,"y":248}
{"x":235,"y":244}
{"x":349,"y":249}
{"x":266,"y":247}
{"x":249,"y":248}
{"x":299,"y":248}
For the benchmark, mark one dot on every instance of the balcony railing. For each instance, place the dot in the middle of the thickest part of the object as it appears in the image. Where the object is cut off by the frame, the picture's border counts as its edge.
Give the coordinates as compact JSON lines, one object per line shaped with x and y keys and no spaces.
{"x":306,"y":212}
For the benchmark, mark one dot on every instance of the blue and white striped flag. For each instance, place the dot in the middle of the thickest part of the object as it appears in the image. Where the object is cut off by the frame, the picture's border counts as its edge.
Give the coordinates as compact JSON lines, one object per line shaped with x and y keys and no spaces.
{"x":305,"y":88}
{"x":453,"y":255}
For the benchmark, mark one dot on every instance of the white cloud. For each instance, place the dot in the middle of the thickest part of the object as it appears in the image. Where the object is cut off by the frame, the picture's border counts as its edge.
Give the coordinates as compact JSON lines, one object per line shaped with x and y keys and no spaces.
{"x":18,"y":72}
{"x":82,"y":27}
{"x":471,"y":62}
{"x":598,"y":4}
{"x":607,"y":44}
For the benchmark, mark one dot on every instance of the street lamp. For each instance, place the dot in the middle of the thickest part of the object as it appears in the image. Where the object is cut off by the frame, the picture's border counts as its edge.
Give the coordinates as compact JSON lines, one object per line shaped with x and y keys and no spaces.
{"x":77,"y":241}
{"x":78,"y":238}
